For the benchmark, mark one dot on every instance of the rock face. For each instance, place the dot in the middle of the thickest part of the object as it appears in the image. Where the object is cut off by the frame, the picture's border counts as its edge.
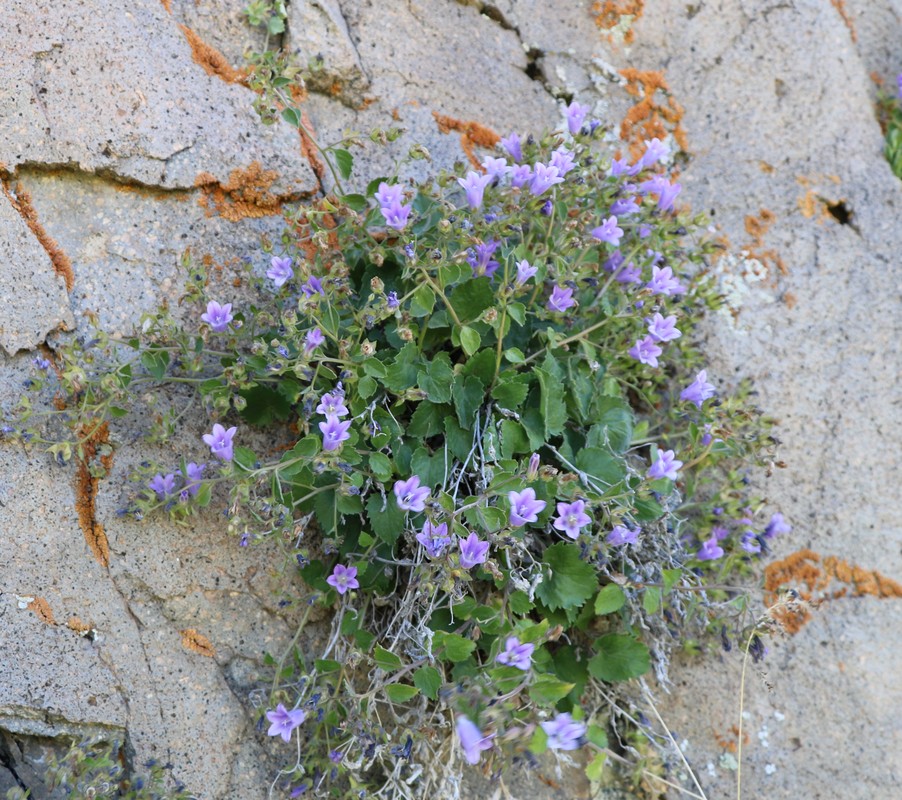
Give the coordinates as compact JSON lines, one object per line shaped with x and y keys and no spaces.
{"x":127,"y":139}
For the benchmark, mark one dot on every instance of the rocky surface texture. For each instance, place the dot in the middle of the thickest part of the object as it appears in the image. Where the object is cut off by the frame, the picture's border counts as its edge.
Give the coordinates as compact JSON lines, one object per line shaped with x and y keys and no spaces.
{"x":127,"y":138}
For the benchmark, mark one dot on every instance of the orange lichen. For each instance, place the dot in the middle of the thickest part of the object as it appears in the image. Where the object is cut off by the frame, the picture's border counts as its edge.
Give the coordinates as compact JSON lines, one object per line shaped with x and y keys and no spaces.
{"x":246,"y":194}
{"x":472,"y":135}
{"x":757,"y":227}
{"x":308,"y":148}
{"x":81,"y":628}
{"x":197,"y":643}
{"x":650,"y":117}
{"x":86,"y":489}
{"x":167,"y":4}
{"x":814,"y":577}
{"x":840,"y":6}
{"x":21,"y":202}
{"x":609,"y":14}
{"x":211,"y":60}
{"x":729,"y":741}
{"x":42,"y":610}
{"x":790,"y":299}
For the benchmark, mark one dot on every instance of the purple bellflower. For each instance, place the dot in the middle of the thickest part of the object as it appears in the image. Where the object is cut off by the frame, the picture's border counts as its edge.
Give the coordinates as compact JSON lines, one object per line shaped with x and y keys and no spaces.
{"x":313,"y":286}
{"x":474,"y":185}
{"x":663,"y":282}
{"x":284,"y":721}
{"x":564,"y":733}
{"x":193,"y":474}
{"x":280,"y":271}
{"x":410,"y":495}
{"x":396,"y":216}
{"x":532,"y":471}
{"x":710,"y":550}
{"x":389,"y":195}
{"x":524,"y":507}
{"x":646,"y":351}
{"x":699,"y":390}
{"x":543,"y":178}
{"x":663,"y":329}
{"x":513,"y":146}
{"x":621,"y":535}
{"x":561,"y":299}
{"x":312,"y":340}
{"x":516,"y":654}
{"x":473,"y":551}
{"x":343,"y":578}
{"x":571,"y":517}
{"x":332,"y":403}
{"x":655,"y":151}
{"x":576,"y":115}
{"x":334,"y":432}
{"x":218,"y":317}
{"x":562,"y":160}
{"x":471,"y":739}
{"x":163,"y":485}
{"x":495,"y":167}
{"x":608,"y":232}
{"x":481,"y":261}
{"x":520,"y":175}
{"x":525,"y":271}
{"x":220,"y":441}
{"x":777,"y":526}
{"x":665,"y":466}
{"x":434,"y":538}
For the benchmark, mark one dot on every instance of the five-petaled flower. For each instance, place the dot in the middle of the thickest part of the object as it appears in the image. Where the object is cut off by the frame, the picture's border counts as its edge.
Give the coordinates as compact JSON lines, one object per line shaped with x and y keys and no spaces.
{"x":434,"y":538}
{"x":471,"y":739}
{"x":218,"y":317}
{"x":520,"y":175}
{"x":608,"y":231}
{"x":496,"y":167}
{"x":333,"y":403}
{"x":543,"y":178}
{"x":525,"y":271}
{"x":663,"y":329}
{"x":665,"y":466}
{"x":562,"y":160}
{"x":343,"y":578}
{"x":396,"y":216}
{"x":777,"y":526}
{"x":410,"y":495}
{"x":193,"y":474}
{"x":564,"y":732}
{"x":474,"y":185}
{"x":335,"y":431}
{"x":646,"y":351}
{"x":220,"y":441}
{"x":571,"y":517}
{"x":561,"y":299}
{"x":524,"y":507}
{"x":389,"y":195}
{"x":284,"y":721}
{"x":655,"y":151}
{"x":663,"y":282}
{"x":621,"y":535}
{"x":710,"y":550}
{"x":280,"y":271}
{"x":163,"y":485}
{"x":473,"y":551}
{"x":312,"y":340}
{"x":516,"y":654}
{"x":699,"y":390}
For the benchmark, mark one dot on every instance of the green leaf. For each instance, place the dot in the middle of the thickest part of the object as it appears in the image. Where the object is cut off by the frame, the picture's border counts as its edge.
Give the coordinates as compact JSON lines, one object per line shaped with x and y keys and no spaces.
{"x":401,"y":692}
{"x":428,"y":419}
{"x":264,"y":406}
{"x":511,"y":390}
{"x":244,"y":457}
{"x":471,"y":298}
{"x":619,"y":657}
{"x":609,"y":600}
{"x":547,"y":690}
{"x":468,"y":395}
{"x":386,"y":523}
{"x":429,"y":468}
{"x":454,"y":647}
{"x":614,"y":426}
{"x":437,"y":378}
{"x":292,"y":116}
{"x":482,"y":366}
{"x":386,"y":660}
{"x":356,"y":202}
{"x":595,"y":767}
{"x":375,"y":368}
{"x":597,"y":736}
{"x":116,"y":412}
{"x":552,"y":407}
{"x":402,"y":374}
{"x":458,"y":438}
{"x":568,"y":580}
{"x":671,"y":578}
{"x":469,"y":340}
{"x":428,"y":680}
{"x":513,"y":439}
{"x":345,"y":162}
{"x":651,"y":600}
{"x":326,"y":665}
{"x":519,"y":602}
{"x":381,"y":466}
{"x":517,"y":312}
{"x":155,"y":362}
{"x":422,"y":302}
{"x":601,"y":464}
{"x":514,"y":355}
{"x":366,"y":387}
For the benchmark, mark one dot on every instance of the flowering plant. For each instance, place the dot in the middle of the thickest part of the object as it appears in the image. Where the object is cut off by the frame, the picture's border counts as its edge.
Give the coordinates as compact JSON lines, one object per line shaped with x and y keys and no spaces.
{"x":508,"y":472}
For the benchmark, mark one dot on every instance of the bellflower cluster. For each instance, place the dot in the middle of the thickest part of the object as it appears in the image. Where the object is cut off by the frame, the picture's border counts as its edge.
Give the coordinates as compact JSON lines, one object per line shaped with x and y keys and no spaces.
{"x":434,"y":538}
{"x":389,"y":198}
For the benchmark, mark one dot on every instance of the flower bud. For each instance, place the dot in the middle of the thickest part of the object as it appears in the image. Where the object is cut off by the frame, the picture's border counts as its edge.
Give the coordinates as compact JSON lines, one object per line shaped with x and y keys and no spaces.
{"x":533,"y":471}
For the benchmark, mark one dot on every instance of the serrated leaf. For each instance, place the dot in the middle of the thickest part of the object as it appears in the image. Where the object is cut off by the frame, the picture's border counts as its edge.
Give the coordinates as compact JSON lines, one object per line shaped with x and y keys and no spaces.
{"x":519,"y":602}
{"x":155,"y":362}
{"x":422,"y":302}
{"x":511,"y":390}
{"x":402,"y":374}
{"x":601,"y":464}
{"x":386,"y":660}
{"x":366,"y":387}
{"x":400,"y":692}
{"x":568,"y":580}
{"x":547,"y":690}
{"x":345,"y":162}
{"x":513,"y":439}
{"x":454,"y":647}
{"x":458,"y":438}
{"x":381,"y":466}
{"x":619,"y":657}
{"x":471,"y":298}
{"x":551,"y":404}
{"x":356,"y":202}
{"x":387,"y":523}
{"x":610,"y":599}
{"x":614,"y":425}
{"x":428,"y":418}
{"x":429,"y":468}
{"x":264,"y":405}
{"x":437,"y":378}
{"x":428,"y":680}
{"x":468,"y":395}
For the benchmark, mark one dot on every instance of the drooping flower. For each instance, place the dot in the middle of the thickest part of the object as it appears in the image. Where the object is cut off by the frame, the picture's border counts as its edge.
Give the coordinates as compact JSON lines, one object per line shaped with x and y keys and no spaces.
{"x":163,"y":485}
{"x":663,"y":329}
{"x":576,"y":115}
{"x":396,"y":216}
{"x":777,"y":526}
{"x":750,"y":542}
{"x":220,"y":441}
{"x":280,"y":271}
{"x":495,"y":167}
{"x":284,"y":721}
{"x":480,"y":258}
{"x":646,"y":351}
{"x":471,"y":739}
{"x":543,"y":178}
{"x":667,"y":192}
{"x":663,"y":282}
{"x":473,"y":551}
{"x":664,"y":466}
{"x":621,"y":535}
{"x":334,"y":432}
{"x":516,"y":654}
{"x":608,"y":232}
{"x":562,"y":160}
{"x":624,"y":206}
{"x":561,"y":299}
{"x":513,"y":146}
{"x":343,"y":578}
{"x":520,"y":175}
{"x":312,"y":340}
{"x":474,"y":185}
{"x":710,"y":550}
{"x":218,"y":317}
{"x":389,"y":195}
{"x":193,"y":474}
{"x":410,"y":495}
{"x":564,"y":732}
{"x":332,"y":403}
{"x":571,"y":517}
{"x":434,"y":538}
{"x":525,"y":271}
{"x":313,"y":286}
{"x":524,"y":507}
{"x":699,"y":390}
